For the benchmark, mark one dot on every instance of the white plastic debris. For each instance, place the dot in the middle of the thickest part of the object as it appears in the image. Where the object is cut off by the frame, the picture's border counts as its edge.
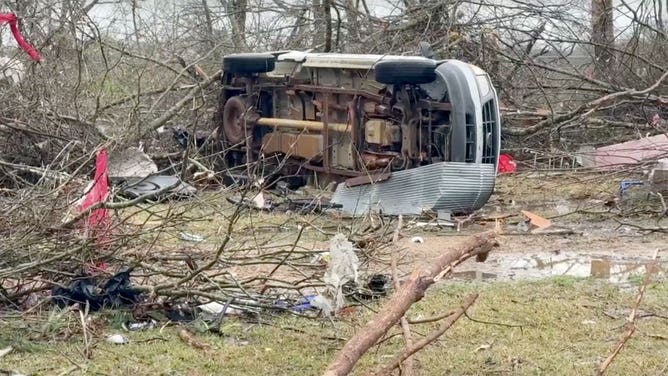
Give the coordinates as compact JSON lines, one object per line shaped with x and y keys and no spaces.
{"x":130,"y":162}
{"x":213,"y":309}
{"x":259,"y":202}
{"x":136,"y":326}
{"x":342,"y":268}
{"x":117,"y":339}
{"x":191,"y":237}
{"x":417,"y":239}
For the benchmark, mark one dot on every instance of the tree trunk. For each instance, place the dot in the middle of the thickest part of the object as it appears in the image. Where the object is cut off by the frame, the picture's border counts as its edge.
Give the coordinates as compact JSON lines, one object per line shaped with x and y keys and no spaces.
{"x":602,"y":37}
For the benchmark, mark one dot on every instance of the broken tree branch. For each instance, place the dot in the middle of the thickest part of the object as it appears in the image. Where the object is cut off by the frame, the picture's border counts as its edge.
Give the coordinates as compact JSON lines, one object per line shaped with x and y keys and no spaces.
{"x":429,"y":338}
{"x":407,"y":369}
{"x":410,"y":292}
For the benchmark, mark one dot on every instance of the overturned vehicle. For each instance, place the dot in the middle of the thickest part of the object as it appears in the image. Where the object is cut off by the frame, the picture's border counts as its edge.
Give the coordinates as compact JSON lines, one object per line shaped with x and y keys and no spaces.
{"x":401,"y":134}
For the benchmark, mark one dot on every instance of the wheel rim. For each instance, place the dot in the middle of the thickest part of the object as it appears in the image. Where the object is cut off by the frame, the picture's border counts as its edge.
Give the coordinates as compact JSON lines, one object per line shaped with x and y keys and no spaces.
{"x":233,"y":121}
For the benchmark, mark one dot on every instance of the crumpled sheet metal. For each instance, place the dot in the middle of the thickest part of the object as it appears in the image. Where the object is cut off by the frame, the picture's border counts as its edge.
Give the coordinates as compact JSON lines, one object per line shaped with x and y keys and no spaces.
{"x":454,"y":187}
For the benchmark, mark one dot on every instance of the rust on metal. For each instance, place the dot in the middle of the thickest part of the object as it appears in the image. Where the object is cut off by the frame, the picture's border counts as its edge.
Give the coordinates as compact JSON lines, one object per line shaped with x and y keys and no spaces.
{"x":368,"y":179}
{"x":325,"y":131}
{"x":233,"y":120}
{"x":301,"y":124}
{"x":306,"y":146}
{"x":336,"y":90}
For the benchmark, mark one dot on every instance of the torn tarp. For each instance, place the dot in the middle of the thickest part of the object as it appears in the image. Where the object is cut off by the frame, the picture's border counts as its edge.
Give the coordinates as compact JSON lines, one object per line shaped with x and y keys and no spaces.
{"x":115,"y":292}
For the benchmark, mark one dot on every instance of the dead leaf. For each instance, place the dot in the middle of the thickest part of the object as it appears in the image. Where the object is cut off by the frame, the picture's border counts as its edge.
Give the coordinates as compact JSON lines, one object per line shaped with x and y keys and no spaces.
{"x":537,"y":220}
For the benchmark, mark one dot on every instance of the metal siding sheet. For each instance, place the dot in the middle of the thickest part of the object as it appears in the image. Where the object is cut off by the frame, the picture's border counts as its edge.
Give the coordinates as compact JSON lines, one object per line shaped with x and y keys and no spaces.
{"x":446,"y":186}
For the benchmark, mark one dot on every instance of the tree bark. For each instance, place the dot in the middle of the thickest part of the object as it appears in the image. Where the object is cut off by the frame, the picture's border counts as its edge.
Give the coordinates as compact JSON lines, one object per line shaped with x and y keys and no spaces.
{"x":410,"y":292}
{"x":602,"y":37}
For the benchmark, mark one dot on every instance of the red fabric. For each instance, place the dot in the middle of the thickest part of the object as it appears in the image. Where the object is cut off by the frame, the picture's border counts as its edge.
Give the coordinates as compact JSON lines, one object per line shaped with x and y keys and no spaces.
{"x":506,"y":164}
{"x":98,"y":219}
{"x":13,"y":24}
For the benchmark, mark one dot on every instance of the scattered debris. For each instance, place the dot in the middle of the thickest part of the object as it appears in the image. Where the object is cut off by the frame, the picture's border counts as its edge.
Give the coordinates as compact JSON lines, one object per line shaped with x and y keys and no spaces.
{"x":507,"y":164}
{"x":442,"y":186}
{"x":379,"y":285}
{"x":183,"y":137}
{"x":342,"y":268}
{"x":117,"y":339}
{"x":537,"y":220}
{"x":213,"y":310}
{"x":137,"y":326}
{"x":159,"y":188}
{"x":117,"y":291}
{"x":417,"y":239}
{"x":658,"y":176}
{"x":304,"y":304}
{"x":191,"y":237}
{"x":257,"y":202}
{"x":625,"y":154}
{"x":130,"y":163}
{"x":624,"y":185}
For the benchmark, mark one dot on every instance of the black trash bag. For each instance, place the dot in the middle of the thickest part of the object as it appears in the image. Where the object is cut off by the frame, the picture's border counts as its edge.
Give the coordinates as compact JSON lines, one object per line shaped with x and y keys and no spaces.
{"x":116,"y":292}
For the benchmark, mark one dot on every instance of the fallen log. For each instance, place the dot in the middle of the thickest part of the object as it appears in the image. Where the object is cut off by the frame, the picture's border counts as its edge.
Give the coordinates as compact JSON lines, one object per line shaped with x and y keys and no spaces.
{"x":410,"y":292}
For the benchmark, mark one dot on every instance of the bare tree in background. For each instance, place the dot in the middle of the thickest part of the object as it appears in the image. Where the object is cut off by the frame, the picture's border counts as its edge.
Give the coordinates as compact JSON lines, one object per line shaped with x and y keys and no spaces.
{"x":602,"y":36}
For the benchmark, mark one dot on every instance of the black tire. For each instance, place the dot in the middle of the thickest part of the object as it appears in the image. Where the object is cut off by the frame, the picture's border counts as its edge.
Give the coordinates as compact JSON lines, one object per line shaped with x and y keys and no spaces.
{"x":249,"y":63}
{"x":398,"y":72}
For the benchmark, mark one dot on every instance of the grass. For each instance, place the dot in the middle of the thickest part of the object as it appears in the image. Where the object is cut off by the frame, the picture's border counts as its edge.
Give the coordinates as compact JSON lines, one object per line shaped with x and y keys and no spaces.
{"x":554,"y":327}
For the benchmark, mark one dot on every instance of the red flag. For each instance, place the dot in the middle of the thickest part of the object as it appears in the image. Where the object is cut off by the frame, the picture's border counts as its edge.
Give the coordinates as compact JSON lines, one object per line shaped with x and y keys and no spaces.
{"x":98,"y":219}
{"x":13,"y":24}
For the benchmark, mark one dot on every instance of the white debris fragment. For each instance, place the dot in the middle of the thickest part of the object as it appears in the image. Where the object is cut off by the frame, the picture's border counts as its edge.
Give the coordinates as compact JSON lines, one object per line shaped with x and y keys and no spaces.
{"x":213,"y":309}
{"x":117,"y":339}
{"x":191,"y":237}
{"x":342,"y":268}
{"x":417,"y":239}
{"x":259,"y":202}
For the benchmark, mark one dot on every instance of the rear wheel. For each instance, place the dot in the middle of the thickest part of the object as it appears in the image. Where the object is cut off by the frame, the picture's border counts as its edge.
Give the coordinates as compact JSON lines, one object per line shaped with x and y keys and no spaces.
{"x":249,"y":63}
{"x":233,"y":120}
{"x":398,"y":72}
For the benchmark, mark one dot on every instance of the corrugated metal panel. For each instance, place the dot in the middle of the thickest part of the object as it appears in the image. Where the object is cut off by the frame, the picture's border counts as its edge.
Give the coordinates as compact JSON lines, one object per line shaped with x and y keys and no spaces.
{"x":455,"y":187}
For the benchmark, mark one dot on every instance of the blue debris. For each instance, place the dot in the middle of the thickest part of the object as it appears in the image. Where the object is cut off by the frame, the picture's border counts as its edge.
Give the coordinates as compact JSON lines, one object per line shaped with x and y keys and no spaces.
{"x":624,"y":185}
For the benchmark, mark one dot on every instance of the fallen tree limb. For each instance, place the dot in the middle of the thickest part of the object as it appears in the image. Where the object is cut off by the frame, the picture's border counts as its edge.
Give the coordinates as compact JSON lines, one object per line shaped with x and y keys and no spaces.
{"x":407,"y":369}
{"x":429,"y":338}
{"x":410,"y":292}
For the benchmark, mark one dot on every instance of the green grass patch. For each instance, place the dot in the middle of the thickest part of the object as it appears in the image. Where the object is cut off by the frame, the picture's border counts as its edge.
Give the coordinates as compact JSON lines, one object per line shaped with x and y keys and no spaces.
{"x":561,"y":326}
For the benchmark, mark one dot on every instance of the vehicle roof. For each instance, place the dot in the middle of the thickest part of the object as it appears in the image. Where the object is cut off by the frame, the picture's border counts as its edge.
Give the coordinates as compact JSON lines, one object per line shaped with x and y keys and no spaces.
{"x":337,"y":60}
